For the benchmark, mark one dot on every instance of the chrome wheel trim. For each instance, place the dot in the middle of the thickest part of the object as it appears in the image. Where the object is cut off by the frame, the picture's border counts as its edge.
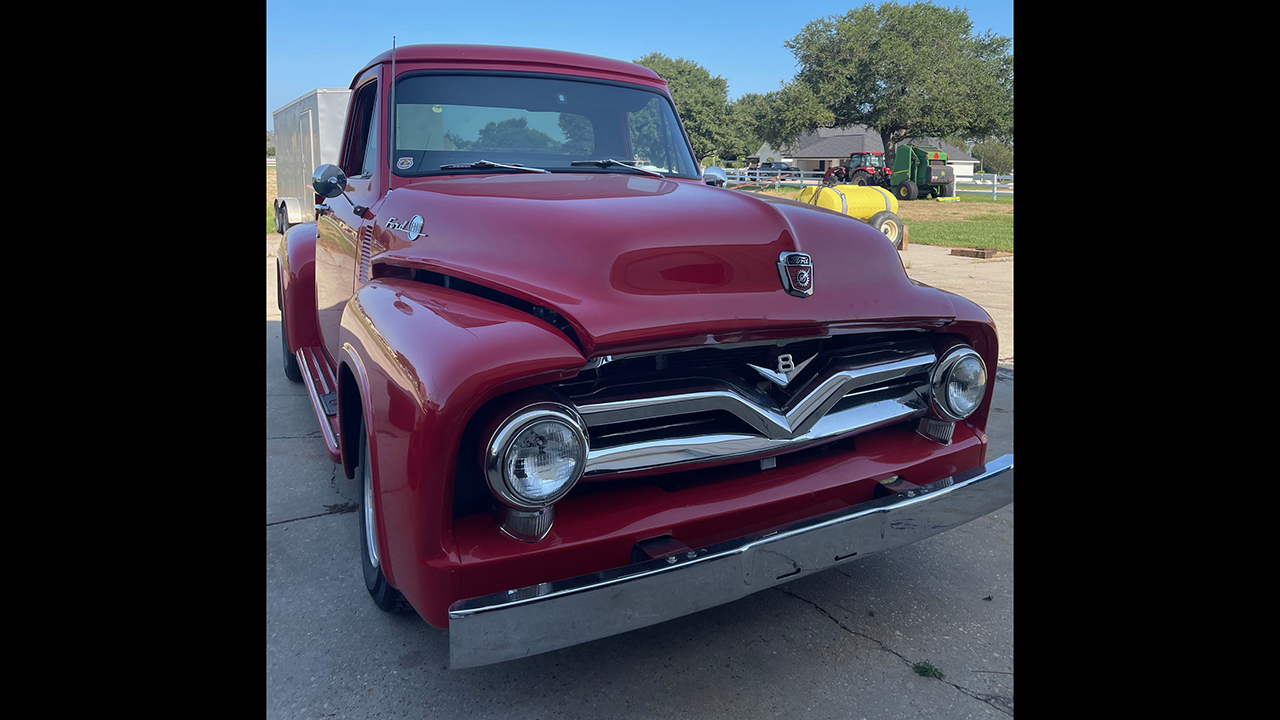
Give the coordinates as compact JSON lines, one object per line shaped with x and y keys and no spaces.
{"x":370,"y":527}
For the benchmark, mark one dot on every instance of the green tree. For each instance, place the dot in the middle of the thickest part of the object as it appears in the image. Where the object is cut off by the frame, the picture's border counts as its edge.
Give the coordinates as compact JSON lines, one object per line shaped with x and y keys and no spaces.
{"x":996,"y":157}
{"x":791,"y":112}
{"x":701,"y":100}
{"x":903,"y":70}
{"x":579,"y":135}
{"x":956,"y":141}
{"x":510,"y":134}
{"x":744,"y":136}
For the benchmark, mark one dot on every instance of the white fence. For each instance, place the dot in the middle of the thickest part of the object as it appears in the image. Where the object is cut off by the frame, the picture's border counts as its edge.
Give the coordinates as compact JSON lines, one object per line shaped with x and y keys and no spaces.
{"x":271,"y":162}
{"x":999,"y":184}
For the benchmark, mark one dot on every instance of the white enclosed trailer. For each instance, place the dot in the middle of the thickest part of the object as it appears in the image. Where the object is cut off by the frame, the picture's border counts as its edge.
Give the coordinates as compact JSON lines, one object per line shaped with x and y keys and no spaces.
{"x":308,"y":135}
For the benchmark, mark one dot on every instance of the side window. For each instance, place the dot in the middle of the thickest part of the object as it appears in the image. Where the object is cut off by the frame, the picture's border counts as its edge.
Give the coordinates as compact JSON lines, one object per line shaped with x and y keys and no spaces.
{"x":371,"y":147}
{"x":362,"y":145}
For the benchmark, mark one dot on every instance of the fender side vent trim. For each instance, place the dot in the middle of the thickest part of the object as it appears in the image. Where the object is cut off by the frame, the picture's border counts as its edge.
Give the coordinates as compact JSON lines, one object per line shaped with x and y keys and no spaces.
{"x":543,"y":313}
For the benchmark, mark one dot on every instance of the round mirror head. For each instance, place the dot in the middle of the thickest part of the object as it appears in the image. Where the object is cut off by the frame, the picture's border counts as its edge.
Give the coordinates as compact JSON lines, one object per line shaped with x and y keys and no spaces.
{"x":715,"y":176}
{"x":329,"y":181}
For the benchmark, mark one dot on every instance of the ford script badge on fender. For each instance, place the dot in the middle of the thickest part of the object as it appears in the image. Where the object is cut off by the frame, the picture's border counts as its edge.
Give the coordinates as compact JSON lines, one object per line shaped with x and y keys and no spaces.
{"x":413,"y":228}
{"x":796,"y":270}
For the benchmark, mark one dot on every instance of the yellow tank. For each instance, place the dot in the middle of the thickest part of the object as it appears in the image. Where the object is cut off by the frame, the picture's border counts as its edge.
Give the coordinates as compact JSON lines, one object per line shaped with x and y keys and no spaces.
{"x":860,"y":201}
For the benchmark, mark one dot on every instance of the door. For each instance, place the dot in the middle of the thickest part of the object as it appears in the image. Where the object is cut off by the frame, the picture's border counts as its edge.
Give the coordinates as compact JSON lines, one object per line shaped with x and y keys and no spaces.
{"x":339,"y":228}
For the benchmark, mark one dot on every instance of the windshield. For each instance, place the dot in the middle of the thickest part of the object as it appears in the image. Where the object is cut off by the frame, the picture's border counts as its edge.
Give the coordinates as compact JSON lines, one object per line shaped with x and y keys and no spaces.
{"x":868,"y":160}
{"x":533,"y":121}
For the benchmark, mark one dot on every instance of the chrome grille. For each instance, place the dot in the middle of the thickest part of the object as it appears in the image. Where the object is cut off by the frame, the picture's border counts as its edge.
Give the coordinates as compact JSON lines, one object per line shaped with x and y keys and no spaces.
{"x":713,"y":404}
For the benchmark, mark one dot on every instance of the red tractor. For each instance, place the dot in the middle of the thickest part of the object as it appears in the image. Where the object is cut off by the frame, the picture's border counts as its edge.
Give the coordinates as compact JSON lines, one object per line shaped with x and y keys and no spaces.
{"x":862,"y":168}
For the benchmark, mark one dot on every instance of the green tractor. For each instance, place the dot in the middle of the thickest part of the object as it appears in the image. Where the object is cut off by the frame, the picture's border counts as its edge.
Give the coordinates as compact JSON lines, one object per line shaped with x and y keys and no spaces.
{"x":922,"y":171}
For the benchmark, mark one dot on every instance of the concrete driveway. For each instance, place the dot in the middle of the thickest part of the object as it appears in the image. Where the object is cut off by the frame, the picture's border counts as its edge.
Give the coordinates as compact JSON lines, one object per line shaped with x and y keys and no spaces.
{"x":839,"y":644}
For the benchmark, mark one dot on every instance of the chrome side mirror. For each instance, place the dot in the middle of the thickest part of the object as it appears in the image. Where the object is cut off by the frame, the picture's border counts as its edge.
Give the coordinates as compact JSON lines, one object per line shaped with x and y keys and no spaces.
{"x":715,"y":176}
{"x":329,"y":181}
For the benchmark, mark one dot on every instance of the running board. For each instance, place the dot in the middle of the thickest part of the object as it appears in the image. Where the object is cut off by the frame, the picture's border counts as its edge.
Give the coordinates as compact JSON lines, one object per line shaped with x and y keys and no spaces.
{"x":322,"y":386}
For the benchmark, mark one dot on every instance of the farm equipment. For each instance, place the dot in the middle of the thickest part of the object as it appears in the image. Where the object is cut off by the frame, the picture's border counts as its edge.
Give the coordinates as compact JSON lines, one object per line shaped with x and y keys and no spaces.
{"x":875,"y":206}
{"x":862,"y":168}
{"x":922,"y":171}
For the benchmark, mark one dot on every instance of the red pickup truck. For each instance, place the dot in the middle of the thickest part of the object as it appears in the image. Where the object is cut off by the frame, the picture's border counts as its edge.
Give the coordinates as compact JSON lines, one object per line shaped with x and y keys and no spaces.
{"x":581,"y":390}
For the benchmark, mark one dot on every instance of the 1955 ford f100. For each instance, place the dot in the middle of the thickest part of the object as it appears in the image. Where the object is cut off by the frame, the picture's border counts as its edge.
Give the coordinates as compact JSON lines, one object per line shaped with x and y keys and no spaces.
{"x":583,"y":391}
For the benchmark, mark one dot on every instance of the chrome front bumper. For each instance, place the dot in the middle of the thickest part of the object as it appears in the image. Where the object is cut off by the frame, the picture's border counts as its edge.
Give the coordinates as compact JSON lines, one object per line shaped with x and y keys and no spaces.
{"x":549,"y":616}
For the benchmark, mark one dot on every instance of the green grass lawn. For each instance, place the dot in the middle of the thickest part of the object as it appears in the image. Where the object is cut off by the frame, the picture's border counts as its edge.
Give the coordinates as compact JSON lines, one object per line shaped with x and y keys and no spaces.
{"x":982,"y":231}
{"x":271,"y":221}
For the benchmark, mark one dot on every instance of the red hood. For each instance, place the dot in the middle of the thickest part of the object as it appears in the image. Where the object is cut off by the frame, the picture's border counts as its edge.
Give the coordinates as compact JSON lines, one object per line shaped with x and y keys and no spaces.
{"x":640,"y":262}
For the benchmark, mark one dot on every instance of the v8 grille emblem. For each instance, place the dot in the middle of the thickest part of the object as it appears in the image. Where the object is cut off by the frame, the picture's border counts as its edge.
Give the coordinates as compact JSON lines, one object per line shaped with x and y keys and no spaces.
{"x":786,"y":370}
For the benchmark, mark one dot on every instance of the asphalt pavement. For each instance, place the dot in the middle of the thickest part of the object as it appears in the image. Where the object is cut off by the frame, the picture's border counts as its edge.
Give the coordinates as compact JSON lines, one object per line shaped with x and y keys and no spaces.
{"x":838,"y":644}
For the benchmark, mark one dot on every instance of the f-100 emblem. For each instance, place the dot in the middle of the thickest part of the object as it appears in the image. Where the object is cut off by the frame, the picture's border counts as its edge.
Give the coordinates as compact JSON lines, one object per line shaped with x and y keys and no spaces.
{"x":796,"y":270}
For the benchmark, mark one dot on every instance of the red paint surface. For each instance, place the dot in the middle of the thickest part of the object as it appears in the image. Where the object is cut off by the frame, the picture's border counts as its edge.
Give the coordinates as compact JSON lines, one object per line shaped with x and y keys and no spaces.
{"x":633,"y":263}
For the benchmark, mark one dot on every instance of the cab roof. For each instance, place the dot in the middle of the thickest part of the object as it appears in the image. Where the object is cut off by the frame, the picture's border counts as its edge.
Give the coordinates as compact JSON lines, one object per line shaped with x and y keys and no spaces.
{"x":499,"y":54}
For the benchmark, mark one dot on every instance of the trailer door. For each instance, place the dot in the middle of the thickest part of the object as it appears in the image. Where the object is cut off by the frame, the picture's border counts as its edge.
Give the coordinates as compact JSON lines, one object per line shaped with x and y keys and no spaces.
{"x":306,"y":130}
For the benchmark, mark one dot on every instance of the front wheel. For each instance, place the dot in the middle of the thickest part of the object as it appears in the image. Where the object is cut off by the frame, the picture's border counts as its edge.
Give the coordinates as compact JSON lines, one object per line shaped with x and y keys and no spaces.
{"x":291,"y":368}
{"x":860,"y":178}
{"x":907,"y":191}
{"x":890,"y":225}
{"x":384,"y":596}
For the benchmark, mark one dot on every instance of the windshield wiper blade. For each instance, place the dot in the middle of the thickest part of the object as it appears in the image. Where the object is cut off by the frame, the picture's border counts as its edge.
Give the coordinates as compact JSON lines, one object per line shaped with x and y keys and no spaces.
{"x":488,"y":164}
{"x":611,"y":162}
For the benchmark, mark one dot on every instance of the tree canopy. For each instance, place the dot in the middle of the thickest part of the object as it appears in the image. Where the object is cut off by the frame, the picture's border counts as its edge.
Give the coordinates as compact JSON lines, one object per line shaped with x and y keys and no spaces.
{"x":996,"y":157}
{"x":701,"y":99}
{"x":902,"y":70}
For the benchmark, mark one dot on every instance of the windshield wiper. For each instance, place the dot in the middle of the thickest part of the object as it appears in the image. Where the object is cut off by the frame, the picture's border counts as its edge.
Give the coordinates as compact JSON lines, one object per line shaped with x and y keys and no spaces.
{"x":610,"y":162}
{"x":487,"y":164}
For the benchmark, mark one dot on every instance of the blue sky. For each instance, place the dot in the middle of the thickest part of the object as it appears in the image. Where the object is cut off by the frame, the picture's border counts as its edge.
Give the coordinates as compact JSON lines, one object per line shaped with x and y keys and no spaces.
{"x":312,"y":44}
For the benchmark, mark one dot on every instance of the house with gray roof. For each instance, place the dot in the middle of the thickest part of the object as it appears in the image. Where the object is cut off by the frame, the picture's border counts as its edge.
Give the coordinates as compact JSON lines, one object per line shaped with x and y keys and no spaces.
{"x":827,"y":147}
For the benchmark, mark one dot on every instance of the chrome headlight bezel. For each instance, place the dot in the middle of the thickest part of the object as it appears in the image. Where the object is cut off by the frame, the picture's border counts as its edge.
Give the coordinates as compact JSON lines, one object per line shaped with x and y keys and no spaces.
{"x":511,"y":429}
{"x":942,"y":372}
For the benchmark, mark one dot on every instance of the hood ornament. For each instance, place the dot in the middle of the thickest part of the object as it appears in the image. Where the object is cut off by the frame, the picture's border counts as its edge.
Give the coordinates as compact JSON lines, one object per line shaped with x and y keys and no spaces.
{"x":796,"y":269}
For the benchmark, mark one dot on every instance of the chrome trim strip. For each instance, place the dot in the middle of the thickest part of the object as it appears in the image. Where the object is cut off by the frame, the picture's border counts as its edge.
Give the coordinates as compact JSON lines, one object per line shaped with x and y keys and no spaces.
{"x":706,"y":448}
{"x":553,"y":615}
{"x":321,"y":415}
{"x":773,"y":423}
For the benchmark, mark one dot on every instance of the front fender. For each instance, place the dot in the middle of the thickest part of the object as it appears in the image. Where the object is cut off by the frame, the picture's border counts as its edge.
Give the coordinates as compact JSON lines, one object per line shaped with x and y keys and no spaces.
{"x":423,"y":359}
{"x":296,"y":280}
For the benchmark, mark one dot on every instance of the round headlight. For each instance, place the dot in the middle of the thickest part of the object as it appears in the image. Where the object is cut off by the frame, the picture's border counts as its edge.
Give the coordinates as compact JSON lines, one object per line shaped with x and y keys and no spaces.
{"x":536,"y":455}
{"x":959,"y":383}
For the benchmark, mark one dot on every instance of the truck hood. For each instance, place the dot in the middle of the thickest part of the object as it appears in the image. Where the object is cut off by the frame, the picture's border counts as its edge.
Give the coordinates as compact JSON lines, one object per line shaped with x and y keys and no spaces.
{"x":636,"y":262}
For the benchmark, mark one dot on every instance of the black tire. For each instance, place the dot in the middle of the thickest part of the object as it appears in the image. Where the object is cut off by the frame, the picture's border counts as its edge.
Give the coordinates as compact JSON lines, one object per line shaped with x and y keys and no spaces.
{"x":384,"y":596}
{"x":291,"y":367}
{"x":860,"y":177}
{"x":888,"y":224}
{"x":949,"y":190}
{"x":907,"y":191}
{"x":282,"y":219}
